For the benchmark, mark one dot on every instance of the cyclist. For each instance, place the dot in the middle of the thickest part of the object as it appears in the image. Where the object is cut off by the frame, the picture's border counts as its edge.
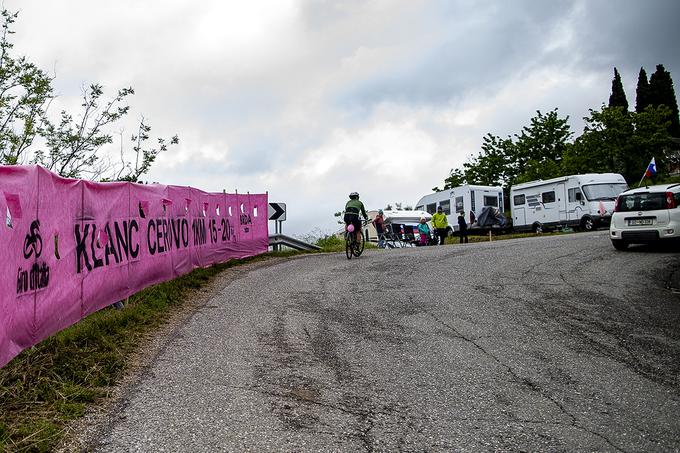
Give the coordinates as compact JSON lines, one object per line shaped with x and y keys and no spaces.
{"x":353,"y":208}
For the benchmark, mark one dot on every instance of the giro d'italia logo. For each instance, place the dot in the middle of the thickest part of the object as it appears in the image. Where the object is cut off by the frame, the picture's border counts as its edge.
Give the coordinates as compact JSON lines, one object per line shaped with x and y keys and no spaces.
{"x":33,"y":242}
{"x":37,"y":276}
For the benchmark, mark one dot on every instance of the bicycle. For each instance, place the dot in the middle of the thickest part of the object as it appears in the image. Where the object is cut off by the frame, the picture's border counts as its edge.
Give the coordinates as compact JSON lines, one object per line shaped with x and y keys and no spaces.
{"x":352,"y":246}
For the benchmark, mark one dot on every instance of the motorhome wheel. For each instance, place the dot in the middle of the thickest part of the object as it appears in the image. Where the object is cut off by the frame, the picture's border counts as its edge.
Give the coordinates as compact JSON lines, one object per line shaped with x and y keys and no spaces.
{"x":588,"y":224}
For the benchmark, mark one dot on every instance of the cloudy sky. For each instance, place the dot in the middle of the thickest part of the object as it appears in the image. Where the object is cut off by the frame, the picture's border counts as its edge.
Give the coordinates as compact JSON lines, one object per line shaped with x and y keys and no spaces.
{"x":310,"y":100}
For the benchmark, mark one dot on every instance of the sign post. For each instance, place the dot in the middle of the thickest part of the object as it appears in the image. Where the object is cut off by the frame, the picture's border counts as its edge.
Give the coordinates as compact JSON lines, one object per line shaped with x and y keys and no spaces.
{"x":277,"y":213}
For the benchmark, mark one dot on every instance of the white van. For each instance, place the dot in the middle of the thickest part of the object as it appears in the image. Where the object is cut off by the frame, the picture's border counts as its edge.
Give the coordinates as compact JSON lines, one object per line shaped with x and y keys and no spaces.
{"x":467,"y":198}
{"x":582,"y":201}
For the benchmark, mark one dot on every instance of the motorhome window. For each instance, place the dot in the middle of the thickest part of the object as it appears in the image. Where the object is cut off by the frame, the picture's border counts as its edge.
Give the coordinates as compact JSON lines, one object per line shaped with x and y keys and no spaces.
{"x":572,"y":194}
{"x":609,"y":191}
{"x":446,"y":206}
{"x":460,"y":207}
{"x":518,"y":200}
{"x":490,"y":201}
{"x":548,"y":197}
{"x":500,"y":201}
{"x":472,"y":201}
{"x":432,"y":208}
{"x":642,"y":202}
{"x":420,"y":208}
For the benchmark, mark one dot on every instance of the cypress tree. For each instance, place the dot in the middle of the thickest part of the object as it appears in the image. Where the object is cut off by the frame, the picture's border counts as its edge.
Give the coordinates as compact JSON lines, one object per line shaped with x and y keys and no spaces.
{"x":642,"y":92}
{"x":661,"y":92}
{"x":618,"y":96}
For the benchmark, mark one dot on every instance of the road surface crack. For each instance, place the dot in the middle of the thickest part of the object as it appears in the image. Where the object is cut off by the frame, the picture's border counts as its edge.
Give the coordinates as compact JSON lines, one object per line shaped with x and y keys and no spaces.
{"x":533,"y":386}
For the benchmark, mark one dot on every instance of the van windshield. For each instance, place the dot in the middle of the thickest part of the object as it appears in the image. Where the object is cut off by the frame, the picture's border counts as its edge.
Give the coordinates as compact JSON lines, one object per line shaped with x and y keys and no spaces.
{"x":609,"y":191}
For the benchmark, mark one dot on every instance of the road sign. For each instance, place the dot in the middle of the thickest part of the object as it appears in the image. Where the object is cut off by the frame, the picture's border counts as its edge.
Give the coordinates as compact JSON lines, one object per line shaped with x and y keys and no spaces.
{"x":276,"y":211}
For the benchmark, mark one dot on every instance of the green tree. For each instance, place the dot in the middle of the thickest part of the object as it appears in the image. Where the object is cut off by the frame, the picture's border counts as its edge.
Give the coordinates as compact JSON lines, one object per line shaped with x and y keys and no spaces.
{"x":662,"y":93}
{"x":25,"y":93}
{"x":540,"y":147}
{"x":618,"y":141}
{"x":618,"y":97}
{"x":143,"y":154}
{"x":493,"y":165}
{"x":73,"y":146}
{"x":642,"y":94}
{"x":536,"y":153}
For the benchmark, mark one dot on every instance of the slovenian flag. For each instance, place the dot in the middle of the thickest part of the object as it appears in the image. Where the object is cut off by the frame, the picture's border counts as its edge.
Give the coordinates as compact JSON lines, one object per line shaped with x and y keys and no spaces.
{"x":651,"y":169}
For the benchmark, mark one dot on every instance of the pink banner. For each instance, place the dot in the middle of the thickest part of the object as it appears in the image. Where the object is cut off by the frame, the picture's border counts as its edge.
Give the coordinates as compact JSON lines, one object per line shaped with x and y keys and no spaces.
{"x":71,"y":247}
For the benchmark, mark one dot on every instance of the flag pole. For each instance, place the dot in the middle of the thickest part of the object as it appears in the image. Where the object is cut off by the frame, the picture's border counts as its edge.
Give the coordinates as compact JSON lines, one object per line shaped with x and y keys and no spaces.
{"x":642,"y":179}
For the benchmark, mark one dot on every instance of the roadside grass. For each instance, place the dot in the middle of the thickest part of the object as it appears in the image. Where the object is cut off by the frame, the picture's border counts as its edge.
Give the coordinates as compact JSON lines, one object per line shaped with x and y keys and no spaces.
{"x":54,"y":382}
{"x":505,"y":236}
{"x":331,"y":243}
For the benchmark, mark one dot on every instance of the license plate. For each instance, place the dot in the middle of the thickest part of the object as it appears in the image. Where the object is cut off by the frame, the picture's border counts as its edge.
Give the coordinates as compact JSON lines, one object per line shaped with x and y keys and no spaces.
{"x":633,"y":222}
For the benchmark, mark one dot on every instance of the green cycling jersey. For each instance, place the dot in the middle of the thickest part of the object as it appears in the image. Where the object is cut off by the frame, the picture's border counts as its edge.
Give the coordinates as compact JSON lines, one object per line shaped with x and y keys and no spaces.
{"x":355,"y":207}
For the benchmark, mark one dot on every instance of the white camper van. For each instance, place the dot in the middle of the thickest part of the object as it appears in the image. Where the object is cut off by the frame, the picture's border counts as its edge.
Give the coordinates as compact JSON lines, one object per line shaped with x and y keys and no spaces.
{"x":583,"y":201}
{"x":466,"y":198}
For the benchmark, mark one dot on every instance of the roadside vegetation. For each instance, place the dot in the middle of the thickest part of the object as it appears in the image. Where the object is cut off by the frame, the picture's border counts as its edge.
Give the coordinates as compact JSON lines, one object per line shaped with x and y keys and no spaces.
{"x":455,"y":240}
{"x":331,"y":243}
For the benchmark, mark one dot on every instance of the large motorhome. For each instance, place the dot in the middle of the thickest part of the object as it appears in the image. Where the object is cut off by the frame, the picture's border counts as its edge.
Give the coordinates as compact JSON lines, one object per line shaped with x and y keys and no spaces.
{"x":467,"y":198}
{"x":583,"y":201}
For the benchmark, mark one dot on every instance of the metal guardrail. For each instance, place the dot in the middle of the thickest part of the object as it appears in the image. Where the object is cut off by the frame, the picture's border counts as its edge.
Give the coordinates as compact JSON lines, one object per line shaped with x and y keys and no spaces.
{"x":276,"y":240}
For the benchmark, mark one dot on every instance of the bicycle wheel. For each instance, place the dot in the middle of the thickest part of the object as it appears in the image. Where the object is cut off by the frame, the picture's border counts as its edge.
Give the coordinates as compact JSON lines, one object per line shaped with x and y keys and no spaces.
{"x":349,"y":250}
{"x":359,"y":246}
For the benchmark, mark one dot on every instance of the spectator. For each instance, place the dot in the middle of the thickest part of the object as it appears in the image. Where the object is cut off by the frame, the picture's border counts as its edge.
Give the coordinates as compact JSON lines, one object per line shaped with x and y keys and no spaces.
{"x":440,"y":224}
{"x":462,"y":226}
{"x":424,"y":231}
{"x":379,"y":223}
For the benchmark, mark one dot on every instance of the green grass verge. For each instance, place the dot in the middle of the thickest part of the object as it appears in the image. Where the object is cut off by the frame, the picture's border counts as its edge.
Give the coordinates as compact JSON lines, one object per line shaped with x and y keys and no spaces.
{"x":502,"y":237}
{"x":52,"y":383}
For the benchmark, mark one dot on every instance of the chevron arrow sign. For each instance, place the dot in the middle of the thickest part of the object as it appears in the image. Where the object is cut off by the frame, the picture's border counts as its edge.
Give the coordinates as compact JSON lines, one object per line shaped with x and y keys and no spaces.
{"x":277,"y":211}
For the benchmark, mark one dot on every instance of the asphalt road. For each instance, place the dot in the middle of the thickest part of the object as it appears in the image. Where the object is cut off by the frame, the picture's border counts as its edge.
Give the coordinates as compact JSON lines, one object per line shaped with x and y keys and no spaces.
{"x":541,"y":344}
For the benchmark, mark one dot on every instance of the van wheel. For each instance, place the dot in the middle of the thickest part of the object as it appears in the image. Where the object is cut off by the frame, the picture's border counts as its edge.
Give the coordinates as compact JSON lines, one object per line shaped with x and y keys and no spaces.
{"x":619,"y":244}
{"x":588,"y":224}
{"x":537,"y":228}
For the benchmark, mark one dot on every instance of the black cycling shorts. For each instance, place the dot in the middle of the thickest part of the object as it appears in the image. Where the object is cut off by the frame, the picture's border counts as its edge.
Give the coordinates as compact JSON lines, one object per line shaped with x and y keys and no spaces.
{"x":354,"y":220}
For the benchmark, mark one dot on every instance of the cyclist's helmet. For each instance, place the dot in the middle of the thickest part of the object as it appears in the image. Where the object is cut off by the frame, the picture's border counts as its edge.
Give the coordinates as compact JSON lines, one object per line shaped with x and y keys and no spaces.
{"x":354,"y":195}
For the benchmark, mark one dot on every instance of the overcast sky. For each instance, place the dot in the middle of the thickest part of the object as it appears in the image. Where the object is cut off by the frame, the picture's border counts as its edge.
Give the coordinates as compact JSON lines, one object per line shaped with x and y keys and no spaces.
{"x":311,"y":100}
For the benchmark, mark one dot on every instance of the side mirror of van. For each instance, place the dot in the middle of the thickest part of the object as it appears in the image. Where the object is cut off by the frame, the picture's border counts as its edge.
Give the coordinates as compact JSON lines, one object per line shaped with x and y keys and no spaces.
{"x":579,"y":196}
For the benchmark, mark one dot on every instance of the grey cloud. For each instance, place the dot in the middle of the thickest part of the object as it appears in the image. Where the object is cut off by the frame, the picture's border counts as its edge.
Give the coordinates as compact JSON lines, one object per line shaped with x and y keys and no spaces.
{"x":477,"y":45}
{"x":630,"y":32}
